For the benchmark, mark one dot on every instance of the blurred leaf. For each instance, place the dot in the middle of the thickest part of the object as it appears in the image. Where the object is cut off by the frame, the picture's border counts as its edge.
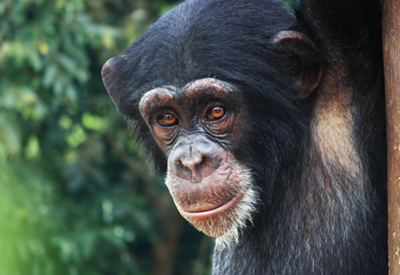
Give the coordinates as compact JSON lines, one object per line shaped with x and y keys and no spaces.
{"x":49,"y":76}
{"x":93,"y":122}
{"x":10,"y":135}
{"x":32,"y":148}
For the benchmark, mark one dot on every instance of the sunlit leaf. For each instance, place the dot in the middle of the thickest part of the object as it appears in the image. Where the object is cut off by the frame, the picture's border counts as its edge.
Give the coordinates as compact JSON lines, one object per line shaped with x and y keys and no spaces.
{"x":77,"y":136}
{"x":43,"y":48}
{"x":32,"y":148}
{"x":93,"y":122}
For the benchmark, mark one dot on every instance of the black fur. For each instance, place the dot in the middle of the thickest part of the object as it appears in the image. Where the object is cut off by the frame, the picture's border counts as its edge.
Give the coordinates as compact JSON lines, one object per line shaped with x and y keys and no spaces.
{"x":314,"y":218}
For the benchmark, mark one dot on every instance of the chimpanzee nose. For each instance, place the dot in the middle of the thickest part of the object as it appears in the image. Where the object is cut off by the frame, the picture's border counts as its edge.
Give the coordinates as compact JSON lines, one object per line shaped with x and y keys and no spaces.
{"x":194,"y":160}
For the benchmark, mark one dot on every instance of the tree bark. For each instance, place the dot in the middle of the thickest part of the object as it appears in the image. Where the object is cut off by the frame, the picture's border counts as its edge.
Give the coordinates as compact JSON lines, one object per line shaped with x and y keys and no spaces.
{"x":391,"y":54}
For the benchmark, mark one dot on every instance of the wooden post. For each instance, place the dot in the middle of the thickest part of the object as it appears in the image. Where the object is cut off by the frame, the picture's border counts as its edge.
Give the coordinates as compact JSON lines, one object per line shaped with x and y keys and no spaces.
{"x":391,"y":55}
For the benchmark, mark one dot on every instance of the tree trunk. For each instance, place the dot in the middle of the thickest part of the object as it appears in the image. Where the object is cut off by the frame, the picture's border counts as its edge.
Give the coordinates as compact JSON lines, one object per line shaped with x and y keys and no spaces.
{"x":391,"y":54}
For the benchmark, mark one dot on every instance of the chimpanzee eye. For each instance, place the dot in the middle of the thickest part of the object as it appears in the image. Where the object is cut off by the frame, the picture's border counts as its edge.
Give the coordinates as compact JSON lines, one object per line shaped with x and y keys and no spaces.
{"x":167,"y":120}
{"x":215,"y":113}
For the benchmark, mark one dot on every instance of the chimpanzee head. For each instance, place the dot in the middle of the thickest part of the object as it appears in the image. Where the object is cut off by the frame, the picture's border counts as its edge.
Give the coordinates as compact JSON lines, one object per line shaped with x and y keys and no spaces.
{"x":216,"y":91}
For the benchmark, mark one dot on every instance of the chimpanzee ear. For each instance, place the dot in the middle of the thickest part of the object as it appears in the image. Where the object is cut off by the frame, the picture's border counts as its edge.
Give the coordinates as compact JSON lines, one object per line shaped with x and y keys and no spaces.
{"x":110,"y":75}
{"x":301,"y":58}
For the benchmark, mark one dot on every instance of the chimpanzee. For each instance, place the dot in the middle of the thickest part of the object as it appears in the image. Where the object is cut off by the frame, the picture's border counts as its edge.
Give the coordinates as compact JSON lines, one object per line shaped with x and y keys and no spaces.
{"x":270,"y":128}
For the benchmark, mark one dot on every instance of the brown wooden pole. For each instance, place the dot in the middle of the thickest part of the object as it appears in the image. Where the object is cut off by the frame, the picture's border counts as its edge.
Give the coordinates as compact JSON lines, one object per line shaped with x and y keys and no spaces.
{"x":391,"y":55}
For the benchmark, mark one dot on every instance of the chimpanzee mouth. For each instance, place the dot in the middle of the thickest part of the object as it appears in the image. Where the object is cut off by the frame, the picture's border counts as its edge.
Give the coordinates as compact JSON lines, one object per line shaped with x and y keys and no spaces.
{"x":204,"y":214}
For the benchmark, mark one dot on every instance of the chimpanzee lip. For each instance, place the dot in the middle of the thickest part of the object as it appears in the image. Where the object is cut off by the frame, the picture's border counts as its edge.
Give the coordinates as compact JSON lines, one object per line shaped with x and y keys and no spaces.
{"x":198,"y":215}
